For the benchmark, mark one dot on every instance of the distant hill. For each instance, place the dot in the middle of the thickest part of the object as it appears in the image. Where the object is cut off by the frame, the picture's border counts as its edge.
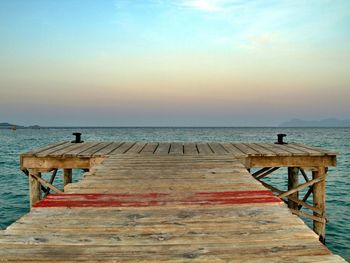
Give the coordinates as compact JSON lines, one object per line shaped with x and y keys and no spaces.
{"x":34,"y":127}
{"x":331,"y":122}
{"x":6,"y":125}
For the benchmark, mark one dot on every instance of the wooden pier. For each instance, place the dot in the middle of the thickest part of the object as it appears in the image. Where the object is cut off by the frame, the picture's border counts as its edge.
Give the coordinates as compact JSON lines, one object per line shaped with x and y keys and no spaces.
{"x":174,"y":202}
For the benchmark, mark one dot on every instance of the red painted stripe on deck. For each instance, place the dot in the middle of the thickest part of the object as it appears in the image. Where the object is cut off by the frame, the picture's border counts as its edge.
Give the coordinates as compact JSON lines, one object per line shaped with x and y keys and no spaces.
{"x":95,"y":196}
{"x":159,"y":195}
{"x":157,"y":199}
{"x":237,"y":193}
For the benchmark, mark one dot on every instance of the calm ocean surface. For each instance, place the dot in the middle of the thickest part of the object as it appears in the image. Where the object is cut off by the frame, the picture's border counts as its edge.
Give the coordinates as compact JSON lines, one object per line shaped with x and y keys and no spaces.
{"x":14,"y":187}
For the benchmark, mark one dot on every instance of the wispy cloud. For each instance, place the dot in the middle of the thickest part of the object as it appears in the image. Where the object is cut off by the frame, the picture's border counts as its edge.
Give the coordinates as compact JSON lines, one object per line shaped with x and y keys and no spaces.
{"x":216,"y":6}
{"x":203,"y":5}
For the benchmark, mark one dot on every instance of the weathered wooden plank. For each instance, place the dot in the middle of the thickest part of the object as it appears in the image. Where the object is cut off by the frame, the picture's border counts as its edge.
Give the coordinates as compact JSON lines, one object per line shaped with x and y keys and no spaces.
{"x":204,"y":149}
{"x":43,"y":148}
{"x":108,"y":150}
{"x":123,"y":148}
{"x":158,"y":252}
{"x":293,"y":151}
{"x":71,"y":147}
{"x":153,"y":215}
{"x":217,"y":227}
{"x":176,"y":148}
{"x":177,"y":159}
{"x":162,"y":149}
{"x":91,"y":151}
{"x":53,"y":149}
{"x":83,"y":147}
{"x":233,"y":150}
{"x":149,"y":219}
{"x":158,"y":187}
{"x":246,"y":149}
{"x":150,"y":148}
{"x":147,"y":236}
{"x":308,"y":152}
{"x":261,"y":149}
{"x":217,"y":148}
{"x":313,"y":150}
{"x":190,"y":148}
{"x":275,"y":148}
{"x":136,"y":148}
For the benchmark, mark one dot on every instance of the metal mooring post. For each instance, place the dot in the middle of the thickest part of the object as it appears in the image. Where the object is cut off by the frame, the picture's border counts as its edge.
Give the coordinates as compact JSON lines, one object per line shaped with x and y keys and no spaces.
{"x":280,"y":137}
{"x":77,"y":137}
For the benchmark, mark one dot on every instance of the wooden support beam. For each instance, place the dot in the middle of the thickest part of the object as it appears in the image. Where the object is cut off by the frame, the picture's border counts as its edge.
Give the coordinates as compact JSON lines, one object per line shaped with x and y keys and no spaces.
{"x":302,"y":186}
{"x":267,"y":173}
{"x":318,"y":219}
{"x":300,"y":202}
{"x":319,"y":201}
{"x":47,"y":191}
{"x":306,"y":196}
{"x":34,"y":187}
{"x":293,"y":182}
{"x":46,"y":184}
{"x":67,"y":176}
{"x":289,"y":161}
{"x":257,"y":173}
{"x":304,"y":174}
{"x":52,"y":162}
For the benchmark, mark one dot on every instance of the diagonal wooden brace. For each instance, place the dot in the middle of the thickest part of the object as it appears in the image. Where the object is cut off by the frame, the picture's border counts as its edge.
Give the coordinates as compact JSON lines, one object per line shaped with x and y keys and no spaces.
{"x":322,"y":220}
{"x":302,"y":186}
{"x":300,"y":202}
{"x":47,"y":191}
{"x":267,"y":173}
{"x":257,"y":173}
{"x":46,"y":184}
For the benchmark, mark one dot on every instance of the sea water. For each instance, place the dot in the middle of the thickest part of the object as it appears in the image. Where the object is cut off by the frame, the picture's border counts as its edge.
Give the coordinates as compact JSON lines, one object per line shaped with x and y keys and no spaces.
{"x":14,"y":200}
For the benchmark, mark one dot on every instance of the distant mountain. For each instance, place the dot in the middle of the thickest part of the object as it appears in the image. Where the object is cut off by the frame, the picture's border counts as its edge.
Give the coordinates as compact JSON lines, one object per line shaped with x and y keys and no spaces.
{"x":34,"y":127}
{"x":331,"y":122}
{"x":6,"y":125}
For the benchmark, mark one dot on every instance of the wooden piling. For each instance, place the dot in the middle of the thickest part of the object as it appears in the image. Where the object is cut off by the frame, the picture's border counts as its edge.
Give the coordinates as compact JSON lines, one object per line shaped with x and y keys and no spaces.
{"x":293,"y":182}
{"x":319,"y":201}
{"x":67,"y":176}
{"x":34,"y":187}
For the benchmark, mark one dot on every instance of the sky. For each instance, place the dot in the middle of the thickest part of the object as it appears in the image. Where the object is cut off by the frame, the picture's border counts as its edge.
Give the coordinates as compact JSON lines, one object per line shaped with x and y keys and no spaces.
{"x":173,"y":62}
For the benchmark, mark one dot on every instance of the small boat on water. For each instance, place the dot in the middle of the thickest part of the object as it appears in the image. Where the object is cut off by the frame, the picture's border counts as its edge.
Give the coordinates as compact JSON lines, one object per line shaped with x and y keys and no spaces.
{"x":14,"y":128}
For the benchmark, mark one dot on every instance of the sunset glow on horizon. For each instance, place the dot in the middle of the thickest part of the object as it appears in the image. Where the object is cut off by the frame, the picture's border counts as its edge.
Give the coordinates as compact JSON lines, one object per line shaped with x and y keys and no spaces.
{"x":173,"y":63}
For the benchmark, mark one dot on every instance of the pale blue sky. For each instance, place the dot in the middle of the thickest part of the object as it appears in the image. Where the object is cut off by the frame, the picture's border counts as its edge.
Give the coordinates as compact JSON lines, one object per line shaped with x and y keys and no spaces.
{"x":176,"y":62}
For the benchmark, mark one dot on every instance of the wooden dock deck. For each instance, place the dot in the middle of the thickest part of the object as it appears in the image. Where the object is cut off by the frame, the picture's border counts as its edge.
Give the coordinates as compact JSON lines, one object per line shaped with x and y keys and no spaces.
{"x":174,"y":202}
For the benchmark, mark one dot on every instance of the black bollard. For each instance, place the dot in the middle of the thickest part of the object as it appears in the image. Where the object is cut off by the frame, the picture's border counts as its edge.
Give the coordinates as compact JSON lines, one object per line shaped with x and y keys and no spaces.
{"x":280,"y":137}
{"x":77,"y":137}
